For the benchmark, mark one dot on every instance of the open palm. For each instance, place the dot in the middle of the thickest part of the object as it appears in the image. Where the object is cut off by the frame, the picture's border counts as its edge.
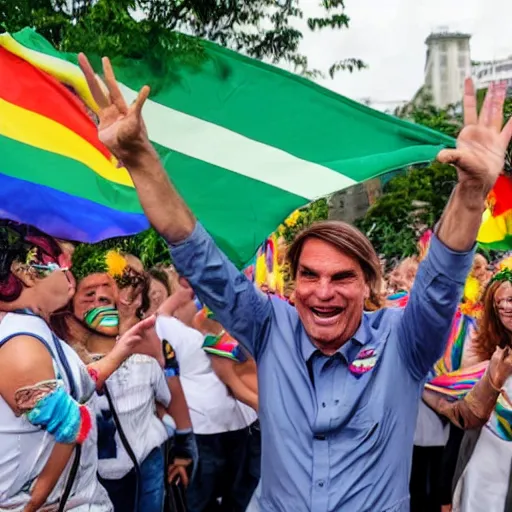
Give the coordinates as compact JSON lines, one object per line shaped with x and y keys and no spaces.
{"x":482,"y":144}
{"x":121,"y":127}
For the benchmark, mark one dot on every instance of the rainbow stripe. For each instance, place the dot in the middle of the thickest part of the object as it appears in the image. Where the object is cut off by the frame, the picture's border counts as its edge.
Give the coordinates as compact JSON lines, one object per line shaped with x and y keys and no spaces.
{"x":496,"y":229}
{"x":64,"y":163}
{"x":459,"y":383}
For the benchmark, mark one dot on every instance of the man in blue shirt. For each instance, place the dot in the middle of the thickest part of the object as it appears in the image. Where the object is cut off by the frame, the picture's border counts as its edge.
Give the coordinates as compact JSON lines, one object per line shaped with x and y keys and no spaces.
{"x":338,"y":388}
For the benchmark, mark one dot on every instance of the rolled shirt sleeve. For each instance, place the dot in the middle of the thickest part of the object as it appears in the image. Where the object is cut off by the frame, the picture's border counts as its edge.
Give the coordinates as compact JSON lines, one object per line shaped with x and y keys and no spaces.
{"x":428,"y":317}
{"x":238,"y":305}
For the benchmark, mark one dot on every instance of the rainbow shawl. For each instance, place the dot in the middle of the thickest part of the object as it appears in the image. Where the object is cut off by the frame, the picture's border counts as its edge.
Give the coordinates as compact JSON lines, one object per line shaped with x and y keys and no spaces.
{"x":448,"y":378}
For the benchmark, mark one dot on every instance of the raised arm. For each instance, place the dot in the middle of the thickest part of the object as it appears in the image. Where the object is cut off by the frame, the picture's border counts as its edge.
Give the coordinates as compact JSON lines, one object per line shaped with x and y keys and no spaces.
{"x":237,"y":304}
{"x":479,"y":160}
{"x":474,"y":410}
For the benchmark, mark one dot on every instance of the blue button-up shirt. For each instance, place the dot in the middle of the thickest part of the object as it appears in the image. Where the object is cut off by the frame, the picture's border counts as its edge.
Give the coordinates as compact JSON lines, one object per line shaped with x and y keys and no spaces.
{"x":333,"y":438}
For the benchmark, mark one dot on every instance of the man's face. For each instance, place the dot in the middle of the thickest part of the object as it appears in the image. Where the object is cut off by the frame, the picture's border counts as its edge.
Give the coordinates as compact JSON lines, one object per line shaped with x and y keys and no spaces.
{"x":95,"y":291}
{"x":329,"y":294}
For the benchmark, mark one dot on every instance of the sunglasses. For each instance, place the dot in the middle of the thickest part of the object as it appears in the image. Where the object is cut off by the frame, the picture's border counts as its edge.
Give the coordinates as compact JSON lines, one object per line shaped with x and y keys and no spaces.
{"x":49,"y":268}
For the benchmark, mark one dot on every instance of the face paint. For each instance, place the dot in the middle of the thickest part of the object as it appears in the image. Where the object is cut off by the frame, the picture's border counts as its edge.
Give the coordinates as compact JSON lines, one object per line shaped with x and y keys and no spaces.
{"x":46,"y":270}
{"x":103,"y":317}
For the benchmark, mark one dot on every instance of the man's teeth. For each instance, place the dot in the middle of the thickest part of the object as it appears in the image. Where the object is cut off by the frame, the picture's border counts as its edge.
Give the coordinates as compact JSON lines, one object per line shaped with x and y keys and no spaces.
{"x":326,"y":313}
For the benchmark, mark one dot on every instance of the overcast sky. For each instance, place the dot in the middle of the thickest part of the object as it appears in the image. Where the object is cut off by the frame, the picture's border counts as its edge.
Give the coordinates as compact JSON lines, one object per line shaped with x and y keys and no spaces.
{"x":389,"y":35}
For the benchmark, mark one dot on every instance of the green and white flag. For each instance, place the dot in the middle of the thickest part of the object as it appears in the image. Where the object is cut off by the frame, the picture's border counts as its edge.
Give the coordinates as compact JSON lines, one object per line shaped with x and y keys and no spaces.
{"x":244,"y":142}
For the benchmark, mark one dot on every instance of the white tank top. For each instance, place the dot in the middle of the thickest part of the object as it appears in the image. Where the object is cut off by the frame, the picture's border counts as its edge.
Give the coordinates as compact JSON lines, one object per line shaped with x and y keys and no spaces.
{"x":25,"y":449}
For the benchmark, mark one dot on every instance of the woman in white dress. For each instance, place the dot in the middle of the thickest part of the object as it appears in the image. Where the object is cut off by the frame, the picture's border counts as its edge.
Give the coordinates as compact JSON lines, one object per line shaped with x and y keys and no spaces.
{"x":48,"y":459}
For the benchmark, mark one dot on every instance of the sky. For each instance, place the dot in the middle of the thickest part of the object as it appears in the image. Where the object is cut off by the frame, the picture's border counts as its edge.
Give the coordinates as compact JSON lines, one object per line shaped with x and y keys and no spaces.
{"x":389,"y":35}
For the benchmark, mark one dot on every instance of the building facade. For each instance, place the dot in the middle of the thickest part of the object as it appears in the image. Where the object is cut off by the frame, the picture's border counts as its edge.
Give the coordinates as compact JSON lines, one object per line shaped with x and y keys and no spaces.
{"x":447,"y":65}
{"x":498,"y":70}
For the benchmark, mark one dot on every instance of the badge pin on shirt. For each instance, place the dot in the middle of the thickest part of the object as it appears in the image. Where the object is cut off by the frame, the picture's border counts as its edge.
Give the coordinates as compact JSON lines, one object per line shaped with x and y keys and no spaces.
{"x":364,"y":362}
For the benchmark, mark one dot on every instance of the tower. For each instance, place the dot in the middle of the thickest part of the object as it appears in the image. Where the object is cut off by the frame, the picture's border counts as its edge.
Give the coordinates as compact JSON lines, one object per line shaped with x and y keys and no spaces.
{"x":448,"y":64}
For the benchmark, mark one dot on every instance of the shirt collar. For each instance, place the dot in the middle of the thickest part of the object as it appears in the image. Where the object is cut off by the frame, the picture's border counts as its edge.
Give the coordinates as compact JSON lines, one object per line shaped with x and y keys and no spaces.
{"x":360,"y":339}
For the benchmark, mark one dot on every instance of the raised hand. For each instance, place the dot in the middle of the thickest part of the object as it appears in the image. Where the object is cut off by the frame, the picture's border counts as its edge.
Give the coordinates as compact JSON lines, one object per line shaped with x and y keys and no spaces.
{"x":481,"y":145}
{"x":500,"y":366}
{"x":142,"y":339}
{"x":121,"y":127}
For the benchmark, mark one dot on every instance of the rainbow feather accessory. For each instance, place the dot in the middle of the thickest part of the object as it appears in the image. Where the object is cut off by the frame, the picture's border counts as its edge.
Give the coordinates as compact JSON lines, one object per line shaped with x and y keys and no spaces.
{"x":224,"y":345}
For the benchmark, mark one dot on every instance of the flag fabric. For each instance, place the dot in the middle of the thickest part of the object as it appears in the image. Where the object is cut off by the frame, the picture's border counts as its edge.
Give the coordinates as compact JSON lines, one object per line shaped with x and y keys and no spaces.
{"x":245,"y":143}
{"x":496,"y":229}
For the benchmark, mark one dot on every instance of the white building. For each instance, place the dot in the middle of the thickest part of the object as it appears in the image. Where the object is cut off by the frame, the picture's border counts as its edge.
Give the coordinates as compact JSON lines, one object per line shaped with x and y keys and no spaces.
{"x":448,"y":64}
{"x":498,"y":70}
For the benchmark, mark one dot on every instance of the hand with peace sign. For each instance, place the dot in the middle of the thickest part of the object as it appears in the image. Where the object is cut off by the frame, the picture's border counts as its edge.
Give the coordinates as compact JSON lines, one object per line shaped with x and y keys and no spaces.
{"x":482,"y":144}
{"x":121,"y":127}
{"x":122,"y":130}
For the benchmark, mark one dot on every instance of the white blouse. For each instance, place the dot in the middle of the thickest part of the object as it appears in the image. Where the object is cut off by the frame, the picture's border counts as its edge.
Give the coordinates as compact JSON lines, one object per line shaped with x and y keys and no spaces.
{"x":134,"y":388}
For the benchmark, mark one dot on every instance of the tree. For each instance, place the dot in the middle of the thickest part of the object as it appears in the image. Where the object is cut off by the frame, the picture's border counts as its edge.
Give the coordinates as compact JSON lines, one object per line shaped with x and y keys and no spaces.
{"x":263,"y":29}
{"x":411,"y":203}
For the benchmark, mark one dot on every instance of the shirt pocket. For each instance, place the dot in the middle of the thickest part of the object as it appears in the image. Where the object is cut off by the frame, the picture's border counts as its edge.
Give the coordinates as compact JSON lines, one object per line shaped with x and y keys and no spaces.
{"x":360,"y":428}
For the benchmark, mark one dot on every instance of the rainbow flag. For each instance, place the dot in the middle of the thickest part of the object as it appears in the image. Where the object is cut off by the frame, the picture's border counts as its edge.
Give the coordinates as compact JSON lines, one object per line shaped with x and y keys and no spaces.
{"x":244,"y":142}
{"x":496,"y":229}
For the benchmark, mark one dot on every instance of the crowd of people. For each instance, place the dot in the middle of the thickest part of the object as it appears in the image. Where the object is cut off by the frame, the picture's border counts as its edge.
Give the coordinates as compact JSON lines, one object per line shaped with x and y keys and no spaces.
{"x":187,"y":387}
{"x":444,"y":475}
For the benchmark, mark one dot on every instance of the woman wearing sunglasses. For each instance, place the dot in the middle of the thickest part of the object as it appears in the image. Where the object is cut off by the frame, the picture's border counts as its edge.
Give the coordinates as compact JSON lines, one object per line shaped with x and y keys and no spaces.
{"x":48,"y":460}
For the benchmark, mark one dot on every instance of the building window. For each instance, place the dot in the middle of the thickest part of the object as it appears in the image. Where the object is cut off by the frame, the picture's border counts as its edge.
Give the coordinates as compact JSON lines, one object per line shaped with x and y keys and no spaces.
{"x":442,"y":46}
{"x":462,"y":61}
{"x":443,"y":60}
{"x":444,"y":75}
{"x":462,"y":45}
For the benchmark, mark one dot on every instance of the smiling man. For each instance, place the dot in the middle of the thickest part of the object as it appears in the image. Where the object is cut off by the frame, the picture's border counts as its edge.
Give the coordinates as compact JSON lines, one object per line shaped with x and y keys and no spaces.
{"x":338,"y":388}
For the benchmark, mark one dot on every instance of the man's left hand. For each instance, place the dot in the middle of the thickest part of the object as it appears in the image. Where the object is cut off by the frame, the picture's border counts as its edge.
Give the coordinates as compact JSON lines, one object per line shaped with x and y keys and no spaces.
{"x":482,"y":144}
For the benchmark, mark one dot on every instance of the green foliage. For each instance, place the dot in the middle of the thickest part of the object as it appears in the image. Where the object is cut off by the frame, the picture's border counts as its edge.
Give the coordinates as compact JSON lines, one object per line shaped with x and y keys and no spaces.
{"x":448,"y":120}
{"x":148,"y":246}
{"x":263,"y":29}
{"x":410,"y":203}
{"x":88,"y":259}
{"x":301,"y":219}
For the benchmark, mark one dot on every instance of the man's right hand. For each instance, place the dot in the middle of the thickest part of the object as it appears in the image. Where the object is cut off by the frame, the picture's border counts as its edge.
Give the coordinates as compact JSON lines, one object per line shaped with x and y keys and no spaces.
{"x":121,"y":127}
